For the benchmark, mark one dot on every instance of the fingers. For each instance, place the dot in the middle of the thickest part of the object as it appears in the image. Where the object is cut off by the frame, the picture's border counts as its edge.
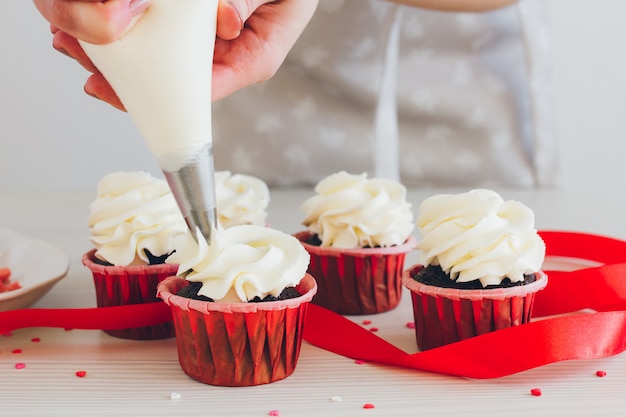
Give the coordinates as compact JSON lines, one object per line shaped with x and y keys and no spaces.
{"x":93,"y":21}
{"x":96,"y":86}
{"x":258,"y":51}
{"x":69,"y":46}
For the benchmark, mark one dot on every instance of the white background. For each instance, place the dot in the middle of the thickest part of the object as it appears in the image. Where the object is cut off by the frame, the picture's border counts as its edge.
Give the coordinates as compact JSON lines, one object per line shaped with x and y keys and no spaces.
{"x":53,"y":136}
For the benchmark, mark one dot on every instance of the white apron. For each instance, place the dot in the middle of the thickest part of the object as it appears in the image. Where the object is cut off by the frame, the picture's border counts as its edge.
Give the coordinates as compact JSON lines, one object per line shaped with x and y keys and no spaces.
{"x":430,"y":98}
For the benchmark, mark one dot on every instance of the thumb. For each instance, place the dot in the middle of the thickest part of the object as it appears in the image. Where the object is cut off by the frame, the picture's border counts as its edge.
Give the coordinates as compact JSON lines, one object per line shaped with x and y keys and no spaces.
{"x":232,"y":15}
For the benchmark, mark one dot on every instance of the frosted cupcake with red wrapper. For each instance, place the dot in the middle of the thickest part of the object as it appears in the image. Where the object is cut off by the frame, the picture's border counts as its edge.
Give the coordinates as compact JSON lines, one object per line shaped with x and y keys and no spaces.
{"x":239,"y":312}
{"x":241,"y":199}
{"x":359,"y":232}
{"x":479,"y":267}
{"x":132,"y":222}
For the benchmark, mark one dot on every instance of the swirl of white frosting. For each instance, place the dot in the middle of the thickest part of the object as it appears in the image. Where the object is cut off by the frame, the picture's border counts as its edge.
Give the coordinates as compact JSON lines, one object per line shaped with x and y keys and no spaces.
{"x":241,"y":199}
{"x":351,"y":211}
{"x":133,"y":212}
{"x":242,"y":262}
{"x":478,"y":235}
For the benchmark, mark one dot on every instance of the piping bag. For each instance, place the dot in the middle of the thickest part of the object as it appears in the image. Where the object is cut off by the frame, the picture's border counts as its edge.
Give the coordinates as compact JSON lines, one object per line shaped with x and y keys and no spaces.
{"x":162,"y":72}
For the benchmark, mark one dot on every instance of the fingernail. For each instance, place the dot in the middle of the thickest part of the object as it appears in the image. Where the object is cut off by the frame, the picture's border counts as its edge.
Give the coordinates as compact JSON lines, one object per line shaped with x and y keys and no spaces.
{"x":138,"y":6}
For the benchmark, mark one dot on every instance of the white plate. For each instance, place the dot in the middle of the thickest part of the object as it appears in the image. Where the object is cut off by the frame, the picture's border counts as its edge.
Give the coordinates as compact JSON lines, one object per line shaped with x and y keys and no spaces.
{"x":35,"y":264}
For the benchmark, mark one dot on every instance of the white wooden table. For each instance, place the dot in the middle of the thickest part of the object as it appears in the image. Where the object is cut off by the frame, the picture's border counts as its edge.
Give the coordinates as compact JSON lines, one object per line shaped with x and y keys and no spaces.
{"x":133,"y":378}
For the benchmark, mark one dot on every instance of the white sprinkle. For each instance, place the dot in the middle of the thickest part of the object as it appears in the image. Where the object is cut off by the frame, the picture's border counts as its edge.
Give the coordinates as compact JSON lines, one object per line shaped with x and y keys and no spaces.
{"x":336,"y":399}
{"x":175,"y":396}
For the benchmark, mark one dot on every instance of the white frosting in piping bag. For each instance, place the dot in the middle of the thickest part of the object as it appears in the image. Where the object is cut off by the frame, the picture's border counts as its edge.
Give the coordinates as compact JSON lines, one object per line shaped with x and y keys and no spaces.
{"x":161,"y":71}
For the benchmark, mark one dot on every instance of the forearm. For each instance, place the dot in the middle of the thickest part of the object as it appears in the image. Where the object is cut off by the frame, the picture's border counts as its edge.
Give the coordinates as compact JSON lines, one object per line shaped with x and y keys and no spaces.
{"x":457,"y":5}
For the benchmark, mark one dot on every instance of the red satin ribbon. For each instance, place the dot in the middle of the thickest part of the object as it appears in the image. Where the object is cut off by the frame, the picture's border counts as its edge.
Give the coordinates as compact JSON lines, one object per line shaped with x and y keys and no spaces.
{"x":504,"y":352}
{"x":103,"y":318}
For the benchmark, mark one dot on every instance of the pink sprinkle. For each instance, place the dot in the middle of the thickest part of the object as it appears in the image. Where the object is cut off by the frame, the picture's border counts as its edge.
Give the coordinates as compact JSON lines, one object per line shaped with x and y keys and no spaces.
{"x":20,"y":365}
{"x":35,"y":340}
{"x":410,"y":325}
{"x":368,"y":405}
{"x":359,"y":361}
{"x":81,"y":374}
{"x":601,"y":374}
{"x":536,"y":392}
{"x":374,"y":329}
{"x":16,"y":351}
{"x":274,"y":413}
{"x":367,"y":322}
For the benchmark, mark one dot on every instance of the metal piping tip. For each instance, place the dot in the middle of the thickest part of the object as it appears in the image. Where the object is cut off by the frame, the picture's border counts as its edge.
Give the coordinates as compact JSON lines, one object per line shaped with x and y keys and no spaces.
{"x":193,"y":187}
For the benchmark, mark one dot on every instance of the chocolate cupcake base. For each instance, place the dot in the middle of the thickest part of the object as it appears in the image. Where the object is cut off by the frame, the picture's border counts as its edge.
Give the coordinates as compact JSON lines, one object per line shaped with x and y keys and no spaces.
{"x":237,"y":344}
{"x":447,"y":315}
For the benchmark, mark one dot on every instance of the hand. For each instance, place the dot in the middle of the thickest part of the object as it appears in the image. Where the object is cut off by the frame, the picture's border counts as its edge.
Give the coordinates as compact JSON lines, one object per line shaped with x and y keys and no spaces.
{"x":94,"y":21}
{"x":253,"y":39}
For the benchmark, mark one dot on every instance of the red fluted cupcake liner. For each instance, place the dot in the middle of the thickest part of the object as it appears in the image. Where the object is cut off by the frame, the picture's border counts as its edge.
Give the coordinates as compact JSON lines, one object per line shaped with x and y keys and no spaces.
{"x":124,"y":285}
{"x":447,"y":315}
{"x":357,"y":281}
{"x":237,"y":344}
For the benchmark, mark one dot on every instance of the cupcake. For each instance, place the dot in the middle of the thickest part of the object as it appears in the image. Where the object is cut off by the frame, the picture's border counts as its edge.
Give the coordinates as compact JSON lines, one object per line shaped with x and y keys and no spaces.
{"x":241,"y":199}
{"x":359,"y":232}
{"x":478,"y":268}
{"x":132,"y":222}
{"x":239,"y":310}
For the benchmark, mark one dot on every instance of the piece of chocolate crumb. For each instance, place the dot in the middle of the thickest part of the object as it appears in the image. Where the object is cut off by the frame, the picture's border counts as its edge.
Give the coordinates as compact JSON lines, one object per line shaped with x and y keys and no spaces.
{"x":156,"y":260}
{"x":314,"y":240}
{"x":191,"y":291}
{"x":102,"y":262}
